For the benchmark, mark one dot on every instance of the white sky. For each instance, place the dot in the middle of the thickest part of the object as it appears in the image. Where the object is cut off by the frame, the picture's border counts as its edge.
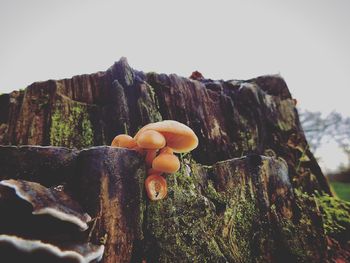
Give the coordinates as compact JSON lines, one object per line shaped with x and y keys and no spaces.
{"x":306,"y":41}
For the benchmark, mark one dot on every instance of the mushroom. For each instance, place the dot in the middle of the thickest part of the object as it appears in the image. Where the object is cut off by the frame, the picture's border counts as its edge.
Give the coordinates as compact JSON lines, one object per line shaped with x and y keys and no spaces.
{"x":178,"y":136}
{"x":166,"y":163}
{"x":165,"y":137}
{"x":150,"y":155}
{"x":156,"y":187}
{"x":124,"y":141}
{"x":167,"y":149}
{"x":150,"y":139}
{"x":152,"y":171}
{"x":49,"y":201}
{"x":16,"y":249}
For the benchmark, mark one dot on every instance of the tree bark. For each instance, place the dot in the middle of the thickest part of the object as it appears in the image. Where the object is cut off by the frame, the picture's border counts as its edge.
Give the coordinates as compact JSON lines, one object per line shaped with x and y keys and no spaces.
{"x":231,"y":118}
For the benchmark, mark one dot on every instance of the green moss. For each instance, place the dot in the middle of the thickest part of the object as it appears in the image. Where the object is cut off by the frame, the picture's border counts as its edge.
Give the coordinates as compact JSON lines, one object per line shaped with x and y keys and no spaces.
{"x":303,"y":236}
{"x":200,"y":221}
{"x":213,"y":195}
{"x":71,"y":127}
{"x":197,"y":223}
{"x":181,"y":228}
{"x":247,"y":136}
{"x":335,"y":213}
{"x":148,"y":105}
{"x":238,"y":230}
{"x":153,"y":96}
{"x":336,"y":216}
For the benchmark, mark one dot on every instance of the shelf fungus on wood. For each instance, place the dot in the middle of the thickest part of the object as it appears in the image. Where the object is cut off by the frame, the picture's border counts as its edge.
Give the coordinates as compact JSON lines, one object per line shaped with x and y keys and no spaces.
{"x":16,"y":249}
{"x":49,"y":201}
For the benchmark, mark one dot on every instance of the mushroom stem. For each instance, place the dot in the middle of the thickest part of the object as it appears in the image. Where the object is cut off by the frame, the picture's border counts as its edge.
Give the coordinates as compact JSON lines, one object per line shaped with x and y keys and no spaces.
{"x":152,"y":171}
{"x":150,"y":155}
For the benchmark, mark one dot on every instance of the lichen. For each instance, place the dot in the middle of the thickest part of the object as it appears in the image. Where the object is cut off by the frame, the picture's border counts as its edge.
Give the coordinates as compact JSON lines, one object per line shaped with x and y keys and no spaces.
{"x":71,"y":127}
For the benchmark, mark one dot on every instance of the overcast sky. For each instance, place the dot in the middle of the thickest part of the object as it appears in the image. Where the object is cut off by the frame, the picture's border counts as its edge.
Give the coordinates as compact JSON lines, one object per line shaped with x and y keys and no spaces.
{"x":306,"y":41}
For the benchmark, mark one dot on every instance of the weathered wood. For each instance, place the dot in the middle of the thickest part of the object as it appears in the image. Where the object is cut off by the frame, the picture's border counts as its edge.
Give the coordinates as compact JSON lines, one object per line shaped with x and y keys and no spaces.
{"x":239,"y":210}
{"x":251,"y":192}
{"x":231,"y":118}
{"x":109,"y":185}
{"x":49,"y":166}
{"x":107,"y":182}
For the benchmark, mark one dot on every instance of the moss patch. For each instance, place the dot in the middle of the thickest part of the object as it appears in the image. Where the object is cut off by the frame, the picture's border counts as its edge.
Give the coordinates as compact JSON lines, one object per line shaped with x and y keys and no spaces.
{"x":148,"y":105}
{"x":336,"y":216}
{"x":302,"y":236}
{"x":181,"y":228}
{"x":71,"y":127}
{"x":221,"y":213}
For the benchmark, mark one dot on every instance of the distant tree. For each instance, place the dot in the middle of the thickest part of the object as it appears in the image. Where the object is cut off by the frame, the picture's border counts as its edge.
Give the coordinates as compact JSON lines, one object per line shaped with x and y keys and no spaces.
{"x":318,"y":129}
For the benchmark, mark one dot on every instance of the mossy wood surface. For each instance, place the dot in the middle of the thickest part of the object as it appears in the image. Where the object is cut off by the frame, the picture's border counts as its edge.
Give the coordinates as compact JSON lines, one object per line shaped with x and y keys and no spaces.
{"x":238,"y":210}
{"x":251,"y":192}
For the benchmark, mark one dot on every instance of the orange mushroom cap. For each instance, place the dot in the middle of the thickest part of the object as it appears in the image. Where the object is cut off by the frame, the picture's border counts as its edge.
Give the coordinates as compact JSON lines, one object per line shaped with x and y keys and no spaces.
{"x":167,"y":163}
{"x":150,"y":139}
{"x":156,"y":187}
{"x":178,"y":136}
{"x":167,"y":149}
{"x":124,"y":141}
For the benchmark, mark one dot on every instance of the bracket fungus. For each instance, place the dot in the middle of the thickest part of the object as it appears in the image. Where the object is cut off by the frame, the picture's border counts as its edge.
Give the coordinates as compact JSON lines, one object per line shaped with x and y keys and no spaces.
{"x":44,"y":228}
{"x":16,"y":249}
{"x":161,"y":140}
{"x":49,"y":201}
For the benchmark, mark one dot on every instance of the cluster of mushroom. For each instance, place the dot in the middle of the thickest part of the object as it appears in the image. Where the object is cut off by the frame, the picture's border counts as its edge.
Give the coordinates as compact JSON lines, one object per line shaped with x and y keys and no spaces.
{"x":158,"y":142}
